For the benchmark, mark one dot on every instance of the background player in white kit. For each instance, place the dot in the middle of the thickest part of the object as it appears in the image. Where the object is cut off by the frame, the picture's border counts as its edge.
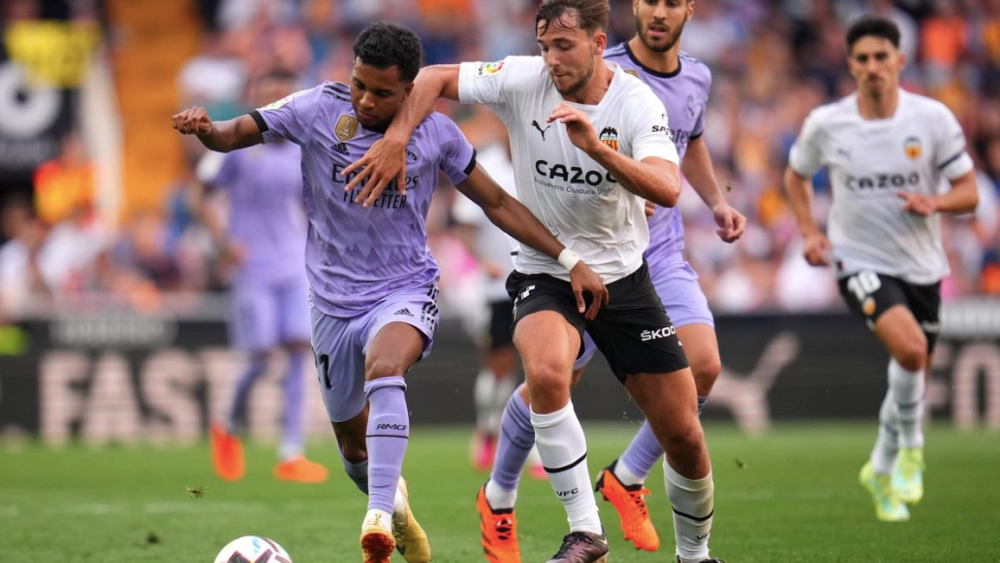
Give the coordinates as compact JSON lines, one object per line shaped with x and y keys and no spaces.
{"x":887,"y":151}
{"x":590,"y":143}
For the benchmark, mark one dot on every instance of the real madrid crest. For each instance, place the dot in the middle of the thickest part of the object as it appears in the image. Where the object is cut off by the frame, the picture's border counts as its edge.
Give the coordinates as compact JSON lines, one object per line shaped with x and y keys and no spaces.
{"x":609,"y":136}
{"x":912,"y":148}
{"x":347,"y":127}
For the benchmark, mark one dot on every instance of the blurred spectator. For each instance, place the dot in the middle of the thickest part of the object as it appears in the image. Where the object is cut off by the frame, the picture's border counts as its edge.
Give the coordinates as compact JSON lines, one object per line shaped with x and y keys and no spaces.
{"x":773,"y":61}
{"x":64,"y":186}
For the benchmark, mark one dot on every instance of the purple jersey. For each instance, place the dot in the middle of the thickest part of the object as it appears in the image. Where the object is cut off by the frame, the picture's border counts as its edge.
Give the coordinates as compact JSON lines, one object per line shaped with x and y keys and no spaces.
{"x":265,"y":209}
{"x":357,"y":256}
{"x":684,"y":93}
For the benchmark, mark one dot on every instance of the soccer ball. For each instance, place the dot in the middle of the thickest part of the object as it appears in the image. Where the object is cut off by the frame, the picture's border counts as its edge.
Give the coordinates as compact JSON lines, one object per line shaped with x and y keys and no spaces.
{"x":253,"y":549}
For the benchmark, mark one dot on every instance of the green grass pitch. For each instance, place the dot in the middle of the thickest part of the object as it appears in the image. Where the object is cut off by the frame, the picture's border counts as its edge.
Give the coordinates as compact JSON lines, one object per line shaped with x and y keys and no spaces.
{"x":791,"y":496}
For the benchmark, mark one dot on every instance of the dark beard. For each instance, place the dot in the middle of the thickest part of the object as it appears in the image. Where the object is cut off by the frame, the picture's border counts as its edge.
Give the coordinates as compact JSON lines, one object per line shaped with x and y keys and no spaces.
{"x":657,"y":48}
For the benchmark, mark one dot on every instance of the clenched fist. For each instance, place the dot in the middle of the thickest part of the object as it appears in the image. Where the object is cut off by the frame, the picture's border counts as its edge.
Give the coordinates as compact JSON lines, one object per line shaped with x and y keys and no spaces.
{"x":193,"y":121}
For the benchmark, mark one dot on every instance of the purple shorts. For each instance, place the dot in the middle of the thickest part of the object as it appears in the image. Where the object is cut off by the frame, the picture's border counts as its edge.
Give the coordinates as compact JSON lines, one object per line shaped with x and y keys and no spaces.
{"x":677,"y":285}
{"x":267,"y":314}
{"x":340,"y":345}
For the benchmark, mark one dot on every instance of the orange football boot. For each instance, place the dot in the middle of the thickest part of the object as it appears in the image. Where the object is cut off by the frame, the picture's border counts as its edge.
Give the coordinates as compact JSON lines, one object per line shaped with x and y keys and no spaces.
{"x":227,"y":453}
{"x":631,"y":508}
{"x":300,"y":470}
{"x":499,"y":529}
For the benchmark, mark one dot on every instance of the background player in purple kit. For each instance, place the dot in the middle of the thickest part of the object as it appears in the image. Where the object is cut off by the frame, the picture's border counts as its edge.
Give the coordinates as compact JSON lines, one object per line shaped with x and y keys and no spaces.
{"x":683,"y":84}
{"x":263,"y":244}
{"x":373,"y":280}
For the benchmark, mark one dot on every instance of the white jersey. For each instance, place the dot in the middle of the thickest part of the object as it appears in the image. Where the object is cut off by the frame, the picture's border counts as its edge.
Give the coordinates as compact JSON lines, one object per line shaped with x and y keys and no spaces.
{"x":491,"y":243}
{"x":870,"y":161}
{"x":569,"y":192}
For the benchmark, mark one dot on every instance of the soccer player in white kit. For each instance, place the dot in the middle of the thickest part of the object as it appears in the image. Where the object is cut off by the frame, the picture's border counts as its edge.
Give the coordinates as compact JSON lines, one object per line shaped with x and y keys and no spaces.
{"x":590,"y":143}
{"x":887,"y":151}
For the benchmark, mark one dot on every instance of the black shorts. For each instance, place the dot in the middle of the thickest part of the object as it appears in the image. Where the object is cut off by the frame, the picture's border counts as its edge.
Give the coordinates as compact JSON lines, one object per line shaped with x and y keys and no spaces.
{"x":501,"y":320}
{"x":869,"y":294}
{"x":633,"y":330}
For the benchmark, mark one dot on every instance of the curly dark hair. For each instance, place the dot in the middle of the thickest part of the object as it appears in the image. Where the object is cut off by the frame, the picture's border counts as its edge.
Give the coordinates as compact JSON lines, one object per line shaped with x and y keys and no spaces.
{"x":385,"y":45}
{"x":872,"y":26}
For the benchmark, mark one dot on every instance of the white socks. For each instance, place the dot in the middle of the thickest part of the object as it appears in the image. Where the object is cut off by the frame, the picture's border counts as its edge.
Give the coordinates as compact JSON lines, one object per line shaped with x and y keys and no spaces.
{"x":483,"y":395}
{"x":693,"y":503}
{"x":490,"y":396}
{"x":563,"y":449}
{"x":626,"y":476}
{"x":498,"y":498}
{"x":907,"y":391}
{"x":887,"y":444}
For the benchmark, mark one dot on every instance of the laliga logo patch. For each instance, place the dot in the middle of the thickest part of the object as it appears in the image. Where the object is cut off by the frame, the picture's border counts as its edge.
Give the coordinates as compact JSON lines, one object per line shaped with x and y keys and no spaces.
{"x":912,"y":148}
{"x":609,"y":136}
{"x":489,"y":69}
{"x":347,"y":127}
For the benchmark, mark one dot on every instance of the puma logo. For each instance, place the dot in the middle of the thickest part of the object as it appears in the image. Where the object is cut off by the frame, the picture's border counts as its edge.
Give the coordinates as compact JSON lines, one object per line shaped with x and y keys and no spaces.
{"x":535,"y":124}
{"x":745,"y":396}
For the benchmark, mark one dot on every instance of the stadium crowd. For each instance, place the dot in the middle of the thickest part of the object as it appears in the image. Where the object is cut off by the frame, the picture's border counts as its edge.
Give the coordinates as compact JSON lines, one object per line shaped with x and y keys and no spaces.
{"x":773,"y":61}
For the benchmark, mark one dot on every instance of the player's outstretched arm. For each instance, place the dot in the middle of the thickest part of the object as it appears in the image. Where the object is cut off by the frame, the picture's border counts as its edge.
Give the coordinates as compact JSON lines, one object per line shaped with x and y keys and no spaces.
{"x":653,"y":179}
{"x":516,"y":220}
{"x":386,"y":159}
{"x":963,"y":197}
{"x":800,"y":197}
{"x":697,"y":168}
{"x":221,"y":136}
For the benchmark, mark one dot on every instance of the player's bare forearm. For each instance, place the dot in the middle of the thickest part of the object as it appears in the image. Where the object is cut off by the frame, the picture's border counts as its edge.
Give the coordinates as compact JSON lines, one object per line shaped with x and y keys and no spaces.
{"x":233,"y":134}
{"x":800,"y":197}
{"x":222,"y":136}
{"x":652,"y":179}
{"x":510,"y":215}
{"x":431,"y":83}
{"x":963,"y":197}
{"x":697,"y":168}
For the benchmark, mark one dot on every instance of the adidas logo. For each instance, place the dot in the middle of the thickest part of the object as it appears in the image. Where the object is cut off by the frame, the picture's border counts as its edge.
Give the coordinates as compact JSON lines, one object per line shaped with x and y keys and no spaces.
{"x":404,"y":311}
{"x":340,"y":148}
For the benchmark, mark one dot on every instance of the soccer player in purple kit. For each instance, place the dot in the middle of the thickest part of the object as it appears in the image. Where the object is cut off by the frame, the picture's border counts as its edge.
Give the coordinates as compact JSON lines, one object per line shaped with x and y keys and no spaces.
{"x":264,"y":242}
{"x":373,"y":281}
{"x":553,"y":161}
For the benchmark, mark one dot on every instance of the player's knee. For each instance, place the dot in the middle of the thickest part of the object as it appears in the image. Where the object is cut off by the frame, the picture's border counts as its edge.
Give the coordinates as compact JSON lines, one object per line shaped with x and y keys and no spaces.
{"x":383,"y":367}
{"x":548,"y":383}
{"x":353,"y":448}
{"x":682,"y":437}
{"x":913,"y":356}
{"x":706,"y":371}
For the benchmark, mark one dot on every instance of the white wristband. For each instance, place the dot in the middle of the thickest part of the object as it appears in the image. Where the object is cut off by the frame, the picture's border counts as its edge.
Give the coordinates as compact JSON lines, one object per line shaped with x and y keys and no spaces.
{"x":568,"y":259}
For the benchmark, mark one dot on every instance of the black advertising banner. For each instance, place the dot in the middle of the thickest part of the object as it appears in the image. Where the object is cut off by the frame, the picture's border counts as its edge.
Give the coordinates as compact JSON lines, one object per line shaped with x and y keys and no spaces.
{"x":125,"y":377}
